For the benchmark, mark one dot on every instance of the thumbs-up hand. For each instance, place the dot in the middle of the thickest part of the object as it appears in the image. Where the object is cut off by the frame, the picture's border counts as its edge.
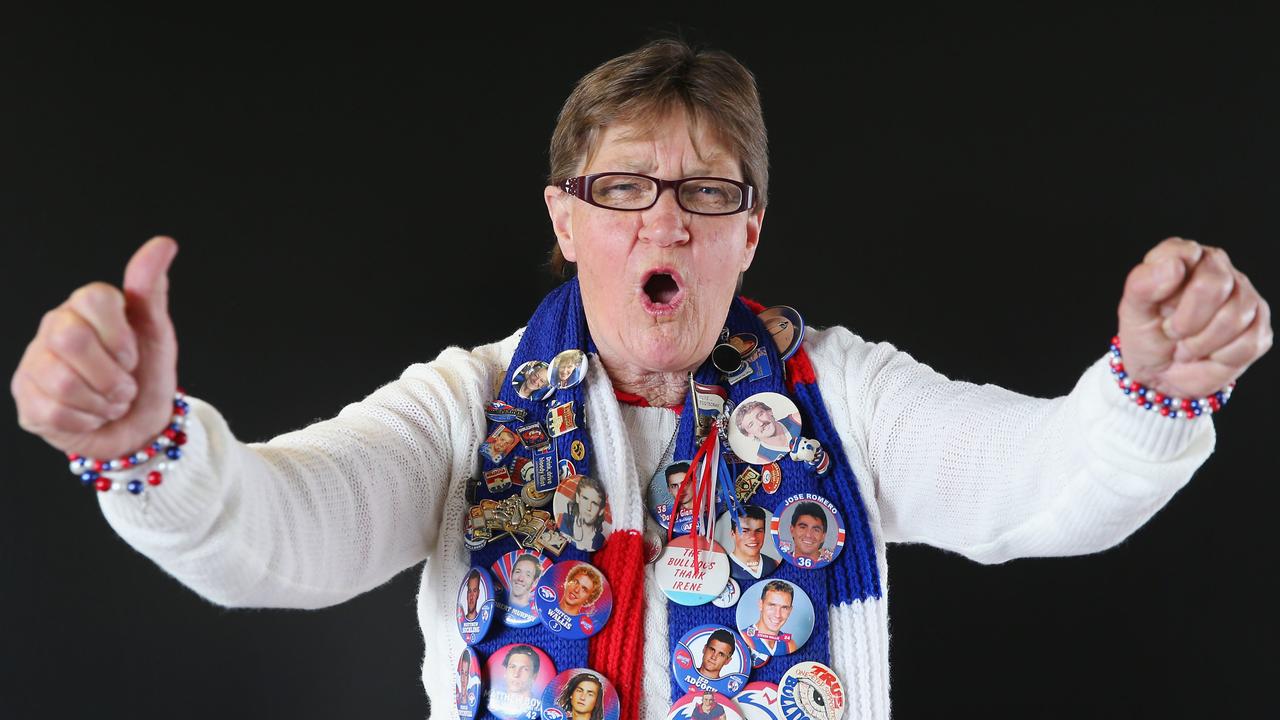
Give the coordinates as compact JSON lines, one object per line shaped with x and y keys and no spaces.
{"x":99,"y":377}
{"x":1189,"y":321}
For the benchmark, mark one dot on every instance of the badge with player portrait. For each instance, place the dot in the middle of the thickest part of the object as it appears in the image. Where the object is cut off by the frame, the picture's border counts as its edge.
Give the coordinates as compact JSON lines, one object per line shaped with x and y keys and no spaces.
{"x":811,"y":691}
{"x":518,"y":675}
{"x":775,"y":617}
{"x":582,"y":512}
{"x":661,"y":498}
{"x":518,"y":573}
{"x":764,"y":428}
{"x":759,"y":701}
{"x":580,"y":693}
{"x":532,"y":380}
{"x":499,"y":444}
{"x":475,"y":605}
{"x":711,"y":657}
{"x":574,"y":599}
{"x":467,"y":684}
{"x":568,"y":369}
{"x":684,"y":582}
{"x":751,"y":546}
{"x":704,"y":705}
{"x":786,"y":327}
{"x":808,"y":531}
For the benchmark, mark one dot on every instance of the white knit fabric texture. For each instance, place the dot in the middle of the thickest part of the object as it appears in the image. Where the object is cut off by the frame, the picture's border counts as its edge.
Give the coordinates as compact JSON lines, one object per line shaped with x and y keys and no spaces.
{"x":320,"y":515}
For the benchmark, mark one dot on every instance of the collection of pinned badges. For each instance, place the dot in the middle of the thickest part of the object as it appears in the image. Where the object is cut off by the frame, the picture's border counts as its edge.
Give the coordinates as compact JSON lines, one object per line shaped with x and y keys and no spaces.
{"x":547,"y":505}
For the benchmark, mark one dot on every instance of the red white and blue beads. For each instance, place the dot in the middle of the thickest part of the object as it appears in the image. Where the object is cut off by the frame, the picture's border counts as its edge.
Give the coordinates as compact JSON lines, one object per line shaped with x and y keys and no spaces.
{"x":168,"y":445}
{"x":1167,"y":405}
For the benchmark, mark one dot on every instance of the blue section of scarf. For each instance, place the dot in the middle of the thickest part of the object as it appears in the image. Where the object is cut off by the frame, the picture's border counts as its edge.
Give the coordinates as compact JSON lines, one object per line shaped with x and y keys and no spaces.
{"x":559,"y":324}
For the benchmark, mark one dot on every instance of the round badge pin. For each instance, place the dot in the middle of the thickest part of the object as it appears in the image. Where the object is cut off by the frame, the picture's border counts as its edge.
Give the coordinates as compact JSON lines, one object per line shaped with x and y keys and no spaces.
{"x":467,"y":684}
{"x":705,"y":705}
{"x":764,"y":428}
{"x":750,"y":544}
{"x":759,"y":701}
{"x":775,"y":617}
{"x":811,"y":691}
{"x":711,"y":657}
{"x":475,"y":605}
{"x":568,"y":369}
{"x":580,"y":693}
{"x":518,"y":573}
{"x":518,"y":676}
{"x":574,"y":599}
{"x":786,"y":327}
{"x":522,"y":471}
{"x":533,"y":498}
{"x":809,"y":531}
{"x":686,"y":584}
{"x":532,"y":380}
{"x":770,"y":477}
{"x":728,"y":597}
{"x":581,"y":509}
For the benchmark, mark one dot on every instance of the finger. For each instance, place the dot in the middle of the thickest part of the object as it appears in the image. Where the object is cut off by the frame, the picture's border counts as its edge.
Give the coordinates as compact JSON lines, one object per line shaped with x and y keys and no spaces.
{"x":146,"y":281}
{"x":1211,"y":283}
{"x":58,"y":380}
{"x":1236,"y":314}
{"x":1186,"y":251}
{"x":102,"y":306}
{"x":1250,"y":344}
{"x":1146,"y":287}
{"x":73,"y":340}
{"x":43,"y":415}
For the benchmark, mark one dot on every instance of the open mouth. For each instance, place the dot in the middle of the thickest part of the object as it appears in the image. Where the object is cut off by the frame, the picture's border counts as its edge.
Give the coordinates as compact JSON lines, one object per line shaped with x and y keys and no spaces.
{"x":662,"y":291}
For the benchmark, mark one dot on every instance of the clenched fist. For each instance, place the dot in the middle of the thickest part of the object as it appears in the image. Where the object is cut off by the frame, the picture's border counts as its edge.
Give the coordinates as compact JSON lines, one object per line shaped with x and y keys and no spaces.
{"x":99,"y":377}
{"x":1190,"y":322}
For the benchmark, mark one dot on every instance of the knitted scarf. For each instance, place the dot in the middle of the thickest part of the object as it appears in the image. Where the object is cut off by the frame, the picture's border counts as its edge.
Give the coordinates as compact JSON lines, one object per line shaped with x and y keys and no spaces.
{"x":616,"y":652}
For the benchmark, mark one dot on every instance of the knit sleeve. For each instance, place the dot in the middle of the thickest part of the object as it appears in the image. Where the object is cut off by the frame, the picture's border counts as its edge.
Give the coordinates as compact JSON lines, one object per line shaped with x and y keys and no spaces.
{"x":995,"y":475}
{"x":319,"y":515}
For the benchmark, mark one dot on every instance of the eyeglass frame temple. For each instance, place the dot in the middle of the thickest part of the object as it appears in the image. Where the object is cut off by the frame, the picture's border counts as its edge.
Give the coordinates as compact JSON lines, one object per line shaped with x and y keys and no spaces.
{"x":577,"y":187}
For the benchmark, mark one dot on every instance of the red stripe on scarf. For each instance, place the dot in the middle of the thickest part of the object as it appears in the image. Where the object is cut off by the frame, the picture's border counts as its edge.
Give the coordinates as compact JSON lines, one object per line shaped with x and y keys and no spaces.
{"x":799,"y":369}
{"x":617,"y":651}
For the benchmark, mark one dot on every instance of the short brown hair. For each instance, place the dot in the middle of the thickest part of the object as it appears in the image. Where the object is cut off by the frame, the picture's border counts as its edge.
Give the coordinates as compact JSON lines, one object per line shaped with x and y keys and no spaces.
{"x":643,"y":87}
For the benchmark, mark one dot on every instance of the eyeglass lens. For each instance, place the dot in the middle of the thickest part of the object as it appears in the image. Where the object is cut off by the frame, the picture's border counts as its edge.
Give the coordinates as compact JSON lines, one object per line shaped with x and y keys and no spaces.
{"x":628,"y":192}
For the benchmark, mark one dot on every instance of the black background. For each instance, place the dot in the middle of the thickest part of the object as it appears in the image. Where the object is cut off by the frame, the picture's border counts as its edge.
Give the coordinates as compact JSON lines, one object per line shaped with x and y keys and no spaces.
{"x":352,"y":194}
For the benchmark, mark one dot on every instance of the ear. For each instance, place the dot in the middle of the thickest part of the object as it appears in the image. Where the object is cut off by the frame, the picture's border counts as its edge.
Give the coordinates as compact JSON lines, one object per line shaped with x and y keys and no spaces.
{"x":755,"y":221}
{"x":560,"y":210}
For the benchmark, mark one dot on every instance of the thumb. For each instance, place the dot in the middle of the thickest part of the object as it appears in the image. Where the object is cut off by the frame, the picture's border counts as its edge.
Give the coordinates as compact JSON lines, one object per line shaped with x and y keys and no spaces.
{"x":1147,"y":287}
{"x":146,"y":281}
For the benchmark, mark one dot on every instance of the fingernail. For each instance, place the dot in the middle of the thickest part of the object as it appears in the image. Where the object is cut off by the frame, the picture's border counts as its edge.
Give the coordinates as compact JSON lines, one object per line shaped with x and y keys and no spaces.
{"x":115,"y":412}
{"x":1169,"y":332}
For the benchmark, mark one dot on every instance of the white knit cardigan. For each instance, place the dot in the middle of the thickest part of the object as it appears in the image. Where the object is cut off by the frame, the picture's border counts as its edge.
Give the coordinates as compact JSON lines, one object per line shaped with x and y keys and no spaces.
{"x":317,"y":516}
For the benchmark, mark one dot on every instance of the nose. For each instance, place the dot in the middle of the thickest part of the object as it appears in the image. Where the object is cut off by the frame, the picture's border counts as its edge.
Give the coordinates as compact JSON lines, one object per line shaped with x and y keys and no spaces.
{"x":666,"y":223}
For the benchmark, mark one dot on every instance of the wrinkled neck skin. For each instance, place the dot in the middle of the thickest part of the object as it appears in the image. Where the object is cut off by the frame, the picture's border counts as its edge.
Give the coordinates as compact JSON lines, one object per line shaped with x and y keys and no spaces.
{"x":657,"y":388}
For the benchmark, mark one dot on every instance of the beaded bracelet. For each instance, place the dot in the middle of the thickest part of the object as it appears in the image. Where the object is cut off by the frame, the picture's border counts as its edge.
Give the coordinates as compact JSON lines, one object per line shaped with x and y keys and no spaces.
{"x":169,"y":443}
{"x":1169,"y":406}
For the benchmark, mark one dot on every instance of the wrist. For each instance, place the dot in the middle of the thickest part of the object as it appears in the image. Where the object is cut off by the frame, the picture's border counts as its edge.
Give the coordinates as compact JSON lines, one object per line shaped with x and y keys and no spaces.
{"x":1166,"y":405}
{"x":142,"y":467}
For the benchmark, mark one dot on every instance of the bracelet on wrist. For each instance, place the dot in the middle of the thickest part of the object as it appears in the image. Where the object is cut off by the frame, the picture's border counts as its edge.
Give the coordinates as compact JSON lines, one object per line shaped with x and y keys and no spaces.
{"x":166,"y":449}
{"x":1167,"y":405}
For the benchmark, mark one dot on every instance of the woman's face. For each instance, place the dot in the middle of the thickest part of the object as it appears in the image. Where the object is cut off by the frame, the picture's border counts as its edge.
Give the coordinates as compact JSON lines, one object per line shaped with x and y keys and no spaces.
{"x":662,"y":325}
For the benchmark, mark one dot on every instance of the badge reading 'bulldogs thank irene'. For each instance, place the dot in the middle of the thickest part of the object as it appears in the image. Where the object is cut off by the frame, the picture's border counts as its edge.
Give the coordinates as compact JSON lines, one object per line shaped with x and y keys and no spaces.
{"x":759,"y":701}
{"x":467,"y":684}
{"x":574,"y":599}
{"x":580,"y":693}
{"x":775,"y":617}
{"x":808,"y":531}
{"x":705,"y":705}
{"x":685,"y":584}
{"x":787,"y":328}
{"x":518,"y":573}
{"x":711,"y":657}
{"x":764,"y":428}
{"x":811,"y":691}
{"x":518,"y":675}
{"x":475,"y":605}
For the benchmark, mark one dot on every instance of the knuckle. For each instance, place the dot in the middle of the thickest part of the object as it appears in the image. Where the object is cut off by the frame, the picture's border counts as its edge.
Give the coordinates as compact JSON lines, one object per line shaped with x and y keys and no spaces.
{"x":70,"y":335}
{"x":61,"y":381}
{"x":97,"y":295}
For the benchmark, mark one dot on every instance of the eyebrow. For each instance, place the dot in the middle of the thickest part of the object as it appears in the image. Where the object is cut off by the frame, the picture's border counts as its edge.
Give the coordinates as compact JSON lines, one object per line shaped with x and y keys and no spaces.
{"x":637,"y":165}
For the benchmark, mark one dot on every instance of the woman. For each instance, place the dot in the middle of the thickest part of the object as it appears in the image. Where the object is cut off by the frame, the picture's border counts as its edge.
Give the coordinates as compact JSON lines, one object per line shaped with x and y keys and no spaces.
{"x":655,"y":276}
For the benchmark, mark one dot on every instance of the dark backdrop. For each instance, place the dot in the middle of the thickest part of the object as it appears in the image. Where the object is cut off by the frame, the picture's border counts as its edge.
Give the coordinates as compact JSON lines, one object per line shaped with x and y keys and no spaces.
{"x":352,"y":194}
